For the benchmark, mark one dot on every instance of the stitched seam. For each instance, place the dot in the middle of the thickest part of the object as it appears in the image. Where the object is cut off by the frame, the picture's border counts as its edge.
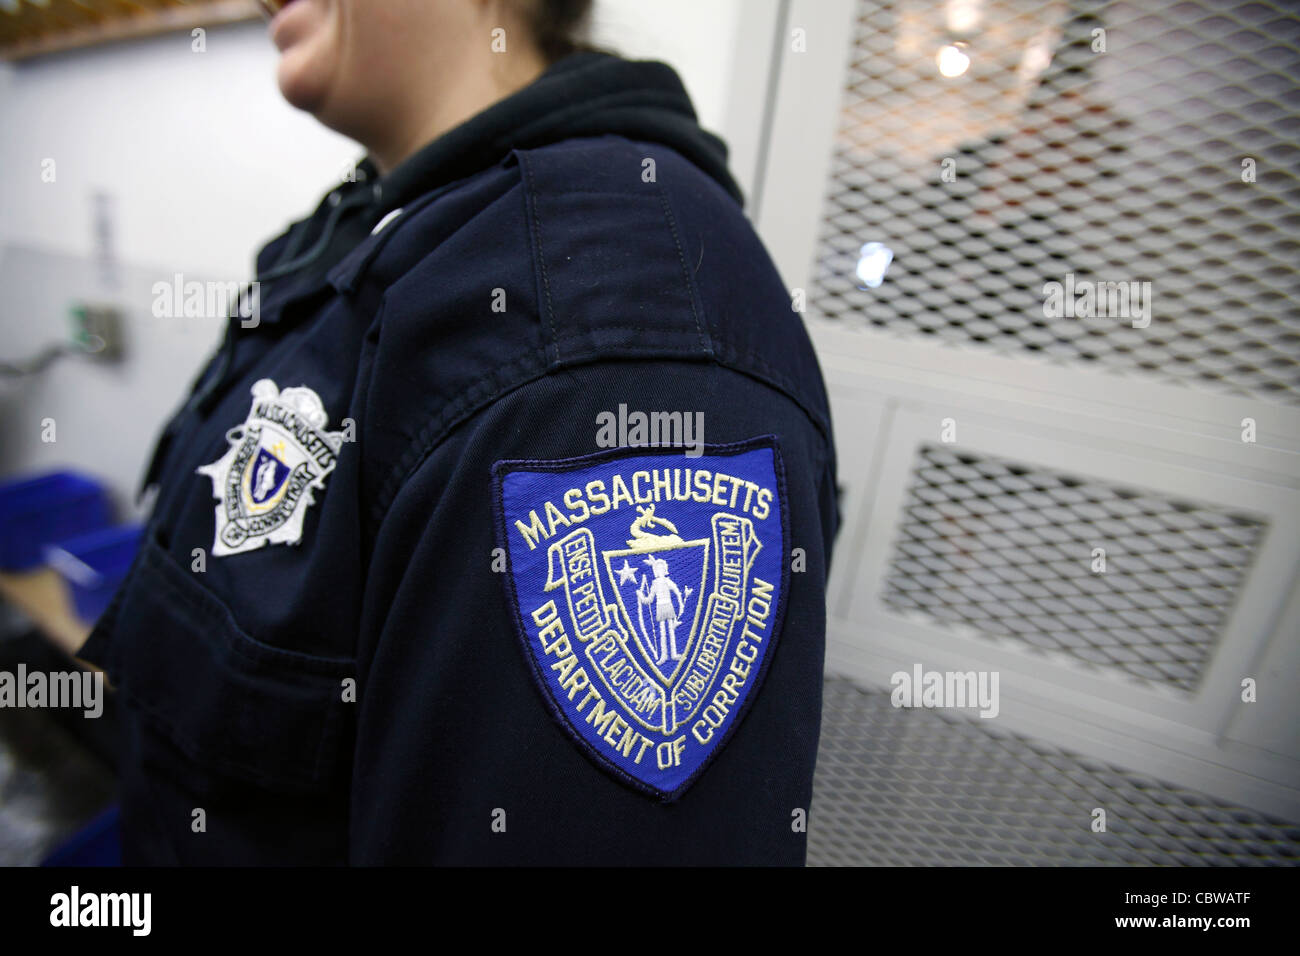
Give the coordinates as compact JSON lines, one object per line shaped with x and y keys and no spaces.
{"x":243,"y":644}
{"x":425,"y":441}
{"x":164,"y":720}
{"x":771,"y":376}
{"x":587,"y":333}
{"x":539,"y":251}
{"x":430,"y":435}
{"x":686,"y":275}
{"x":608,"y":193}
{"x":774,"y":376}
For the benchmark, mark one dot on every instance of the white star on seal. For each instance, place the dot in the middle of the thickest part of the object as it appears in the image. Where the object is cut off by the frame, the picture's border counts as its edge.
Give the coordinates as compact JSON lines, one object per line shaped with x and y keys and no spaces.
{"x":626,"y":573}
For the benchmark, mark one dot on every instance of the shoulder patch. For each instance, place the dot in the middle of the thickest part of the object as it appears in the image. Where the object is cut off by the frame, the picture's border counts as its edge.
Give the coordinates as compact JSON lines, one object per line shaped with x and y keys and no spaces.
{"x":649,"y":591}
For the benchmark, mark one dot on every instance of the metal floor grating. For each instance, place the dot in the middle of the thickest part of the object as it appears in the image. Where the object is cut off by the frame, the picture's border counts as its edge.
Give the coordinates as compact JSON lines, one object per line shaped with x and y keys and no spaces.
{"x":912,"y":787}
{"x":1007,"y":549}
{"x":1049,"y":158}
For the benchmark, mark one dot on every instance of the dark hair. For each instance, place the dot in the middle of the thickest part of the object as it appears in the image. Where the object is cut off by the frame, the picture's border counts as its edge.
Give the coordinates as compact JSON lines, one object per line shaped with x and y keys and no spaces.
{"x":558,"y":26}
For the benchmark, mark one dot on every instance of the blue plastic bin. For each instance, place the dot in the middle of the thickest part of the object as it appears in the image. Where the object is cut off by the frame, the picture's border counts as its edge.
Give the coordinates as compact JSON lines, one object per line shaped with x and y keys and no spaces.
{"x":94,"y":565}
{"x":36,"y":511}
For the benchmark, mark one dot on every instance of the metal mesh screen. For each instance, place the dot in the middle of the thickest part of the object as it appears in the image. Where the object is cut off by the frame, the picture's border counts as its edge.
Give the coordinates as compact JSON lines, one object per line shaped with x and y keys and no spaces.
{"x":898,"y":787}
{"x":1009,"y":550}
{"x":1085,"y":142}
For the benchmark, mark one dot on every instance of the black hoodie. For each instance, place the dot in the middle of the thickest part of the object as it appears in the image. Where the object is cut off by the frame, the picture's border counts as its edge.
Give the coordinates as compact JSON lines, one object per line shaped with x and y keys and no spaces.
{"x":583,"y":94}
{"x":416,"y":590}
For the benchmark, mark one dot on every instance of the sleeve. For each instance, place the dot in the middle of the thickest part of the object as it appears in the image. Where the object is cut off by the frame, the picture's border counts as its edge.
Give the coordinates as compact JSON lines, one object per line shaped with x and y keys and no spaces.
{"x":593,"y":631}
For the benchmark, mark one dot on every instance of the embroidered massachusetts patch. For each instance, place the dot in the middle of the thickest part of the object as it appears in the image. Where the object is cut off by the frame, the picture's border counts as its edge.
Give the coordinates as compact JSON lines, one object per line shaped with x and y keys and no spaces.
{"x":649,"y":589}
{"x":263,"y":484}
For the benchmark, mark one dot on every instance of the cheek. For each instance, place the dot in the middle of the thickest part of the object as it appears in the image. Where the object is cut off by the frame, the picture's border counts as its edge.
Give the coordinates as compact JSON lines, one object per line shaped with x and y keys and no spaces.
{"x":310,"y":62}
{"x":303,"y":80}
{"x":384,"y":37}
{"x":372,"y":38}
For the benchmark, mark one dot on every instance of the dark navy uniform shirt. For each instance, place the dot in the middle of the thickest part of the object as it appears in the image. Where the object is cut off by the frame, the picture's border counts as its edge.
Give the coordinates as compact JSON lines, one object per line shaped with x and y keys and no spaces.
{"x":502,"y":536}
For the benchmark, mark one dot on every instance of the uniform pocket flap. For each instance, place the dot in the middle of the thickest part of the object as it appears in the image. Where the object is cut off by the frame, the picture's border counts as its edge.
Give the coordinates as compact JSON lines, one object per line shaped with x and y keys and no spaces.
{"x":234,"y":704}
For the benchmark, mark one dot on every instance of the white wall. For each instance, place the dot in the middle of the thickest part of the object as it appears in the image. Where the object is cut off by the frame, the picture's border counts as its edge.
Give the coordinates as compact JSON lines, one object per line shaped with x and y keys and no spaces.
{"x":696,"y":36}
{"x":203,"y":158}
{"x":105,"y":416}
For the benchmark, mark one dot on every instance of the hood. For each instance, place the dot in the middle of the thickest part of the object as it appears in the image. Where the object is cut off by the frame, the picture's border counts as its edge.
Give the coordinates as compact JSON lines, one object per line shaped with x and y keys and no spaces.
{"x":584,"y":94}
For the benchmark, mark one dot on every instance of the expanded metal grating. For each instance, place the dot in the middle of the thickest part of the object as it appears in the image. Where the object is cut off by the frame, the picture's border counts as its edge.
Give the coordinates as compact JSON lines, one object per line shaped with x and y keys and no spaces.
{"x":1050,"y":158}
{"x":899,"y":787}
{"x":1008,"y":549}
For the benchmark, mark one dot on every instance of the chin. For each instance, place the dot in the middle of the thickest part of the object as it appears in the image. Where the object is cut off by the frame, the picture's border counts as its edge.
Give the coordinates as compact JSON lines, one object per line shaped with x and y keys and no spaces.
{"x":302,"y":83}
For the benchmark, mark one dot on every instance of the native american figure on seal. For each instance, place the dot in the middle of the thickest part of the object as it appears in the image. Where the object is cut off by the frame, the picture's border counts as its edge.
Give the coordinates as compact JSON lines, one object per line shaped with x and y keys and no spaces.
{"x":660,"y":590}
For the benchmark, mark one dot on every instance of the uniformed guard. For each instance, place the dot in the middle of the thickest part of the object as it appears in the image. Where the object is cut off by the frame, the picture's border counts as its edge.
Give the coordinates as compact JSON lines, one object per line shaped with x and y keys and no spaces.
{"x":501,"y":535}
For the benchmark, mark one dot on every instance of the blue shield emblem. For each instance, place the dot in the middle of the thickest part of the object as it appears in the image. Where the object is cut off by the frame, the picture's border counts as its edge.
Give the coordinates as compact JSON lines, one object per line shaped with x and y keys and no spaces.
{"x":649,"y":590}
{"x":264,"y":480}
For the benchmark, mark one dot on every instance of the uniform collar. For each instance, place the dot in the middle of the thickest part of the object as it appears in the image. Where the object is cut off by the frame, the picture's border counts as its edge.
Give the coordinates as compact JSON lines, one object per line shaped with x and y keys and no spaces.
{"x":585,"y":94}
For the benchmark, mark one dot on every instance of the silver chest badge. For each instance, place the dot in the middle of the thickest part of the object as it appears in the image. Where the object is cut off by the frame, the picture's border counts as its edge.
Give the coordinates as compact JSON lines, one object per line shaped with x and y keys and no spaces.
{"x":263,"y":483}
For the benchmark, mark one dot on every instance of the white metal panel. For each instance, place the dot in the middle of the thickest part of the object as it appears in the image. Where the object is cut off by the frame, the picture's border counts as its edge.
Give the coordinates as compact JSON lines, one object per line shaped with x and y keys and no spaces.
{"x":1244,"y":634}
{"x":888,"y":394}
{"x":861,"y":424}
{"x":1272,"y":722}
{"x":805,"y":115}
